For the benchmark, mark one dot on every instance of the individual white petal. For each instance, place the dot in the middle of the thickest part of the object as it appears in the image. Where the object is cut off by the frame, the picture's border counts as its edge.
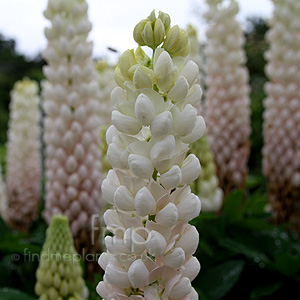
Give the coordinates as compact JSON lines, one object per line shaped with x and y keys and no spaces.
{"x":155,"y":243}
{"x":140,"y":79}
{"x":185,"y":121}
{"x":194,"y":95}
{"x":163,"y":149}
{"x":123,"y":199}
{"x":144,"y":110}
{"x":196,"y":133}
{"x":104,"y":260}
{"x":180,"y":90}
{"x":104,"y":289}
{"x":141,"y":166}
{"x":167,"y":216}
{"x":110,"y":133}
{"x":190,"y":169}
{"x":172,"y":178}
{"x":117,"y":157}
{"x":164,"y":72}
{"x":189,"y":207}
{"x":144,"y":202}
{"x":175,"y":259}
{"x":118,"y":96}
{"x":191,"y":268}
{"x":111,"y":218}
{"x":125,"y":123}
{"x":138,"y":274}
{"x":190,"y":72}
{"x":162,"y":124}
{"x":182,"y":288}
{"x":134,"y":242}
{"x":108,"y":191}
{"x":193,"y":295}
{"x":189,"y":240}
{"x":117,"y":276}
{"x":151,"y":292}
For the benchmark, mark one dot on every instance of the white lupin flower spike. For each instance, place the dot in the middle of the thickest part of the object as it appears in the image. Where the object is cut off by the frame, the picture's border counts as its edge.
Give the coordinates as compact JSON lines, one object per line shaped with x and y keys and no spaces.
{"x":150,"y":251}
{"x":281,"y":151}
{"x":72,"y":123}
{"x":227,"y":98}
{"x":23,"y":177}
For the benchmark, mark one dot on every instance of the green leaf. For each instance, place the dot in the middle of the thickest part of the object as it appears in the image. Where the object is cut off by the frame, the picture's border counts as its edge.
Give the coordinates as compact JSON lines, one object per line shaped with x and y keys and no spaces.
{"x":288,"y":264}
{"x":250,"y":252}
{"x":19,"y":247}
{"x":13,"y":294}
{"x":256,"y":205}
{"x":254,"y":181}
{"x":3,"y":229}
{"x":232,"y":209}
{"x":265,"y":290}
{"x":205,"y":247}
{"x":219,"y":280}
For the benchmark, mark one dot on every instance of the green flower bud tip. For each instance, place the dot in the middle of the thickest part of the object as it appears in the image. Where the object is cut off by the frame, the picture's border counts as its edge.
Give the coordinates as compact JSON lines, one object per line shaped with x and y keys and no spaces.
{"x":59,"y":272}
{"x":152,"y":31}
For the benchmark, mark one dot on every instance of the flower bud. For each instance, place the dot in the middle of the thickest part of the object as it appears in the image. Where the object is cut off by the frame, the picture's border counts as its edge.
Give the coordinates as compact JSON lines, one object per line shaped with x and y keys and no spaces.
{"x":141,"y":166}
{"x":125,"y":123}
{"x":155,"y":243}
{"x":159,"y":32}
{"x":181,"y":288}
{"x":117,"y":276}
{"x":123,"y":199}
{"x":144,"y":110}
{"x":175,"y":259}
{"x":127,"y":60}
{"x":189,"y":207}
{"x":167,"y":216}
{"x":144,"y":202}
{"x":138,"y":274}
{"x":190,"y":169}
{"x":162,"y":125}
{"x":189,"y":240}
{"x":172,"y":178}
{"x":140,"y":79}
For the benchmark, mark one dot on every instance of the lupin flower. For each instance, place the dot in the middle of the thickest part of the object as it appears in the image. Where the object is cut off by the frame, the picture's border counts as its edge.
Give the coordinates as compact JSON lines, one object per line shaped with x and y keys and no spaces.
{"x":23,"y":156}
{"x":59,"y":275}
{"x":281,"y":160}
{"x":207,"y":184}
{"x":73,"y":179}
{"x":150,"y":252}
{"x":227,"y":98}
{"x":3,"y":198}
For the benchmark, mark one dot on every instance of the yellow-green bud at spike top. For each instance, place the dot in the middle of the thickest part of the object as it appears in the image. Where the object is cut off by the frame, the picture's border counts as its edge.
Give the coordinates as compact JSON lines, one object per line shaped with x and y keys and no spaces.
{"x":59,"y":272}
{"x":154,"y":31}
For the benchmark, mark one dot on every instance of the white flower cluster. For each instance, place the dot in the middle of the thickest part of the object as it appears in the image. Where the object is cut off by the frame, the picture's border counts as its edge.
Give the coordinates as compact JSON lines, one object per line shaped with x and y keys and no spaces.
{"x":3,"y":197}
{"x":150,"y":255}
{"x":73,"y":179}
{"x":227,"y":100}
{"x":23,"y":177}
{"x":281,"y":152}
